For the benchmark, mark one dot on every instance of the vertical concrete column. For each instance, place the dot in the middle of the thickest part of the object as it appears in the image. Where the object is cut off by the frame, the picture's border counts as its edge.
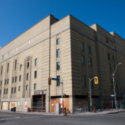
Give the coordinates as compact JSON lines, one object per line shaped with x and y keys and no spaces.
{"x":71,"y":103}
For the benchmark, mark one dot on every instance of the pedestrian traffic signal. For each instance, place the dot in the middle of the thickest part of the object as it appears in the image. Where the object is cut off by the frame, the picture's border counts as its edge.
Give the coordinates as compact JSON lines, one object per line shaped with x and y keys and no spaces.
{"x":49,"y":81}
{"x":96,"y":80}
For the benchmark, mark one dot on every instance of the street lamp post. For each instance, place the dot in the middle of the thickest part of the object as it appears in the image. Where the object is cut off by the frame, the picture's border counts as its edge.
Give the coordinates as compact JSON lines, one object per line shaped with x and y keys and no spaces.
{"x":114,"y":85}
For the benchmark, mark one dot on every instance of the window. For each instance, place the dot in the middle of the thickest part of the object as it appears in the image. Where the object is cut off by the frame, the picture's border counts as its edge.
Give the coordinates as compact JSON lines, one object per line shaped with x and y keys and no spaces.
{"x":11,"y":90}
{"x":58,"y":81}
{"x":58,"y":53}
{"x":15,"y":64}
{"x":12,"y":79}
{"x":82,"y":47}
{"x":6,"y":91}
{"x":19,"y":88}
{"x":20,"y":67}
{"x":83,"y":59}
{"x":90,"y":62}
{"x":15,"y":90}
{"x":35,"y":74}
{"x":35,"y":62}
{"x":28,"y":64}
{"x":15,"y":78}
{"x":20,"y":78}
{"x":7,"y":81}
{"x":89,"y":49}
{"x":84,"y":81}
{"x":58,"y":41}
{"x":35,"y":86}
{"x":1,"y":70}
{"x":108,"y":56}
{"x":58,"y":66}
{"x":27,"y":87}
{"x":7,"y":67}
{"x":27,"y":76}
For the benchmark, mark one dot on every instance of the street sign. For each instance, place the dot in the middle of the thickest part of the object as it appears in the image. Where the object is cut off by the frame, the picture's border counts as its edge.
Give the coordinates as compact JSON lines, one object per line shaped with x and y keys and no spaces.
{"x":55,"y":79}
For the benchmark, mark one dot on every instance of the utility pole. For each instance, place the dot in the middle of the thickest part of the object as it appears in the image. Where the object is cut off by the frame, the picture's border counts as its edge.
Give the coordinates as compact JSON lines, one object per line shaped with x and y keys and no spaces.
{"x":96,"y":81}
{"x":62,"y":96}
{"x":114,"y":84}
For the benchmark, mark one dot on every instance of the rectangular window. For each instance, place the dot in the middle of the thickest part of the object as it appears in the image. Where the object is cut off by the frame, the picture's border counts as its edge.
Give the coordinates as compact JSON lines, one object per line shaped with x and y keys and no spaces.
{"x":58,"y":81}
{"x":89,"y":49}
{"x":35,"y":86}
{"x":28,"y":64}
{"x":83,"y":59}
{"x":35,"y":74}
{"x":58,"y":53}
{"x":82,"y":47}
{"x":11,"y":90}
{"x":15,"y":90}
{"x":15,"y":64}
{"x":58,"y":66}
{"x":20,"y":67}
{"x":19,"y":88}
{"x":90,"y":62}
{"x":12,"y":79}
{"x":57,"y":41}
{"x":20,"y":78}
{"x":27,"y":76}
{"x":1,"y":70}
{"x":35,"y":62}
{"x":7,"y":67}
{"x":15,"y":79}
{"x":84,"y":81}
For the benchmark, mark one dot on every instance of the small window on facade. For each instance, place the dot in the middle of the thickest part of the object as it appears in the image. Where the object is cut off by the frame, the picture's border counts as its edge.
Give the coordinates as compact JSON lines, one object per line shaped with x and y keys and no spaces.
{"x":90,"y":62}
{"x":11,"y":90}
{"x":27,"y":87}
{"x":6,"y":91}
{"x":7,"y":67}
{"x":20,"y":67}
{"x":58,"y":53}
{"x":7,"y":81}
{"x":20,"y":78}
{"x":28,"y":64}
{"x":35,"y":74}
{"x":35,"y":62}
{"x":15,"y":78}
{"x":58,"y":65}
{"x":19,"y":88}
{"x":1,"y":70}
{"x":12,"y":79}
{"x":58,"y":41}
{"x":89,"y":49}
{"x":27,"y":76}
{"x":15,"y":90}
{"x":84,"y":81}
{"x":58,"y":81}
{"x":35,"y":86}
{"x":83,"y":59}
{"x":15,"y":64}
{"x":82,"y":47}
{"x":108,"y":56}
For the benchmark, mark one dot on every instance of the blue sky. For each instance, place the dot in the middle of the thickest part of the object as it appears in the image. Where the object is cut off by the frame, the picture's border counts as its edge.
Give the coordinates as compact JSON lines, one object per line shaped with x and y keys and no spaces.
{"x":16,"y":16}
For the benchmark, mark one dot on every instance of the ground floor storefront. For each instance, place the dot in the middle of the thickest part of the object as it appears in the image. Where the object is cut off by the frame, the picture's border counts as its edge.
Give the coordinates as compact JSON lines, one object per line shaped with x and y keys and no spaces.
{"x":39,"y":103}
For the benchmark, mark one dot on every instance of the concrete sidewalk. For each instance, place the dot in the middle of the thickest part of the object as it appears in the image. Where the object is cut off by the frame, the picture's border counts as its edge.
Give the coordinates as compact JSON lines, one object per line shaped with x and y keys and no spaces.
{"x":74,"y":114}
{"x":112,"y":111}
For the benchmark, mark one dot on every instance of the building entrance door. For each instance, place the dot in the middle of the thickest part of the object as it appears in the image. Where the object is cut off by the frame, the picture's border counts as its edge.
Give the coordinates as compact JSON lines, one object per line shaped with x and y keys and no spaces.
{"x":38,"y":103}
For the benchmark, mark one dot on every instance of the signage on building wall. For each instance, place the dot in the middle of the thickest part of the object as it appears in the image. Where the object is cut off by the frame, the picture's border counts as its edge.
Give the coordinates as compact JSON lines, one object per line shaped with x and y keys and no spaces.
{"x":19,"y":103}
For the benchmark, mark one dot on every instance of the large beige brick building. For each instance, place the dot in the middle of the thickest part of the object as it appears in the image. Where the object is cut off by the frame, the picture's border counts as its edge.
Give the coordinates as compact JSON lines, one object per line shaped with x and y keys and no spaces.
{"x":66,"y":49}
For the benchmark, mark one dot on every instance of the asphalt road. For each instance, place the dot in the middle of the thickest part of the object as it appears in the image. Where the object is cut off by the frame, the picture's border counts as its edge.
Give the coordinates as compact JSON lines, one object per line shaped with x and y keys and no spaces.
{"x":26,"y":119}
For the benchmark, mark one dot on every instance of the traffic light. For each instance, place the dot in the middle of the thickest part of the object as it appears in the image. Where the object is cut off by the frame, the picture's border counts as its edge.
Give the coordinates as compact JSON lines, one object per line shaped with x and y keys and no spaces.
{"x":96,"y":80}
{"x":49,"y":81}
